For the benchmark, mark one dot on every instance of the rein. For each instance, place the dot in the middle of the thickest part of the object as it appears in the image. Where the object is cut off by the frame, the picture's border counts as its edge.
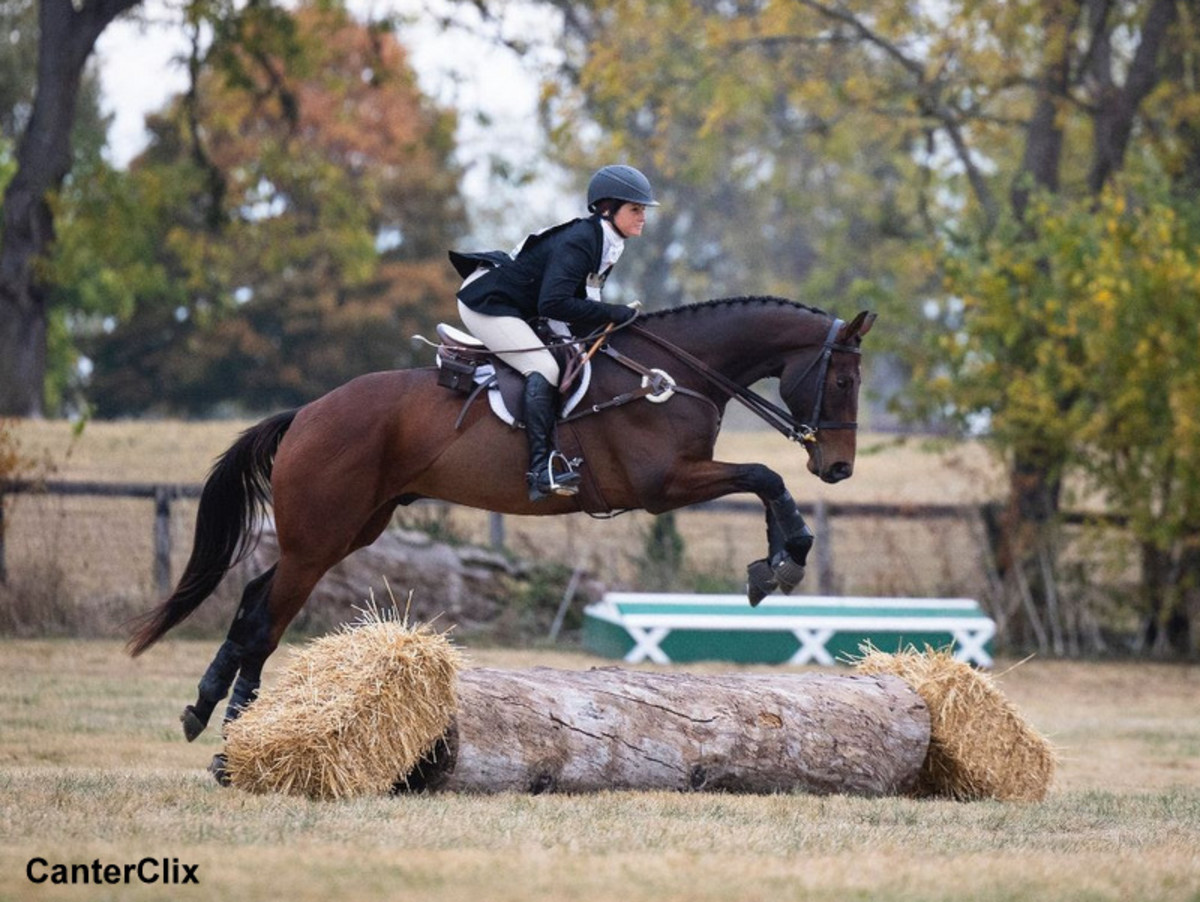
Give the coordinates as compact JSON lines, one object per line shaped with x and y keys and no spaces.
{"x":772,"y":414}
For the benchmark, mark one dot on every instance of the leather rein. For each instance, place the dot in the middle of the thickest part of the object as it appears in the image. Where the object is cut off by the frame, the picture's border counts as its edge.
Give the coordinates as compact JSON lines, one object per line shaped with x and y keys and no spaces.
{"x":772,"y":414}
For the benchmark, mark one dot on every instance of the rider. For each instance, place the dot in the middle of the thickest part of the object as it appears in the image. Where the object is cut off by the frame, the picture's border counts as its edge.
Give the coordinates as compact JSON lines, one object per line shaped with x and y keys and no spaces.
{"x":555,"y":274}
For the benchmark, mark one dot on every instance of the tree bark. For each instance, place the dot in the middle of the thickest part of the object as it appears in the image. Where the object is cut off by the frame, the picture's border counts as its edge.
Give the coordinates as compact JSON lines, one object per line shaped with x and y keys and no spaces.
{"x":545,"y":730}
{"x":1117,"y":108}
{"x":67,"y":36}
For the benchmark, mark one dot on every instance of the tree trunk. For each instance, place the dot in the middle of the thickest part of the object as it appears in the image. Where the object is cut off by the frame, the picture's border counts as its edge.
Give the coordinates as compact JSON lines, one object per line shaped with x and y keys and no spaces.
{"x":66,"y":39}
{"x":546,"y":730}
{"x":1116,"y":108}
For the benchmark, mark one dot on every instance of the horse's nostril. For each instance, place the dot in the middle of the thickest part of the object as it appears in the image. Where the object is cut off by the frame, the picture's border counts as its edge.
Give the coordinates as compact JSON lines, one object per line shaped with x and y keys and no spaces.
{"x":838,"y":472}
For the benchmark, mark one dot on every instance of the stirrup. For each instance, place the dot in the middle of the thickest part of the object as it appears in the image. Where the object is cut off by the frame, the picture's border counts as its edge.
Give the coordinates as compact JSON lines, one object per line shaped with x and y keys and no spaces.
{"x":565,"y":482}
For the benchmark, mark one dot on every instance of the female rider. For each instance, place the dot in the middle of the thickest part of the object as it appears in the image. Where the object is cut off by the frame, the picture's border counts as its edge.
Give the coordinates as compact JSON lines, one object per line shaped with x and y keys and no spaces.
{"x":557,"y":275}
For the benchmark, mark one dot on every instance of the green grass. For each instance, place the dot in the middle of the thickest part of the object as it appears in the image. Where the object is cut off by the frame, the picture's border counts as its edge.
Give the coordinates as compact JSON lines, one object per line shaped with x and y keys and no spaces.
{"x":93,"y":766}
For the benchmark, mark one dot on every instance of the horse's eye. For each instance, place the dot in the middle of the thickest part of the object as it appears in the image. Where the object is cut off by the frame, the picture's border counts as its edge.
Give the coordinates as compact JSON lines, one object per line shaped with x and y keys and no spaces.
{"x":843,"y":381}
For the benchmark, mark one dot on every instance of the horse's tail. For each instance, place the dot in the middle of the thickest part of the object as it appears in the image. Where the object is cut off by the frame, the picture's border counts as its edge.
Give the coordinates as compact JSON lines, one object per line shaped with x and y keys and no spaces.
{"x":232,"y":502}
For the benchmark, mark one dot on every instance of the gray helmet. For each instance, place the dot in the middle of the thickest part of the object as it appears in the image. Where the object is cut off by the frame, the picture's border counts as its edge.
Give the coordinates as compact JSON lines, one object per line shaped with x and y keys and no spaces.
{"x":622,"y":183}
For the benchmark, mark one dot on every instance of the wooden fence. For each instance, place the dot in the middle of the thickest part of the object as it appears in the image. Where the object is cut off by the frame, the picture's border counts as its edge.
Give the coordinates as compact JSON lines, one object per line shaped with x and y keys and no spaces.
{"x":161,"y":493}
{"x":164,"y":494}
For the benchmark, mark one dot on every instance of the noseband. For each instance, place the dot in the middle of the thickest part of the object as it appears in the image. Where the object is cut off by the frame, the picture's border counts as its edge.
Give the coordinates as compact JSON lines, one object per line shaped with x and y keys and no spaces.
{"x":772,"y":414}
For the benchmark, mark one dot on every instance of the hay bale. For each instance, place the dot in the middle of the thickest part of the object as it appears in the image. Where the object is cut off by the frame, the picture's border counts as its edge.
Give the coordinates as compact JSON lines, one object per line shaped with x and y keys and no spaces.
{"x":980,"y":746}
{"x":349,"y":714}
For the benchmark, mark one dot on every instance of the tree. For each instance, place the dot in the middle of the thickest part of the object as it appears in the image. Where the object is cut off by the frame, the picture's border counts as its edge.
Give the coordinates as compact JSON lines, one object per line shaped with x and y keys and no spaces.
{"x":969,"y":111}
{"x":287,"y":231}
{"x":764,"y":192}
{"x":67,"y":34}
{"x":18,"y":72}
{"x":1117,"y":377}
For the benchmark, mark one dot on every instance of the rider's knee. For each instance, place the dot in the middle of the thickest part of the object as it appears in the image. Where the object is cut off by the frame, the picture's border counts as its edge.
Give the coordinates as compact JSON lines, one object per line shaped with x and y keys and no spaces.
{"x":544,"y":363}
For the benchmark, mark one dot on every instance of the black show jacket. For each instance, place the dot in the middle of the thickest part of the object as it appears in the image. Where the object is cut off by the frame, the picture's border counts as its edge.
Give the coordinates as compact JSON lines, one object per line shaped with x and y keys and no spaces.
{"x":548,"y":278}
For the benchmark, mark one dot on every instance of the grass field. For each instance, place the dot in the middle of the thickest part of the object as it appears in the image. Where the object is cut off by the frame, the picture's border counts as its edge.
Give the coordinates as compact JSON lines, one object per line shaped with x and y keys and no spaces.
{"x":93,"y":767}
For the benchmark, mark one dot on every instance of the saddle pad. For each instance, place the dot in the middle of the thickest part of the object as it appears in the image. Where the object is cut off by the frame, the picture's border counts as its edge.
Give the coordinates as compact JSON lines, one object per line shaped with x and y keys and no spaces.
{"x":497,"y":379}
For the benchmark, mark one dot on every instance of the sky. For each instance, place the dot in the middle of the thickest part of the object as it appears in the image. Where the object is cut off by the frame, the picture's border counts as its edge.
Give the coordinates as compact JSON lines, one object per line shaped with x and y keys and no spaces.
{"x":140,"y":69}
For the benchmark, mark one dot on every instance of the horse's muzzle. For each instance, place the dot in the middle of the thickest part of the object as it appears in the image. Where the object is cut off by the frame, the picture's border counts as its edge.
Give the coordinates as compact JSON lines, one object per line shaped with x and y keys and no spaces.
{"x":837,"y":472}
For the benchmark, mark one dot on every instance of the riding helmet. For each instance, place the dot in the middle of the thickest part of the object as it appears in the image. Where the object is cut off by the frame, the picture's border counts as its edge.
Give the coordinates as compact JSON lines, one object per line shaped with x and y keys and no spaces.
{"x":622,"y":183}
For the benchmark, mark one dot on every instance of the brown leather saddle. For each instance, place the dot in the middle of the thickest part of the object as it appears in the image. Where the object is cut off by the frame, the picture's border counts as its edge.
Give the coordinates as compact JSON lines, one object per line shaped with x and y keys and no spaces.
{"x":467,"y":366}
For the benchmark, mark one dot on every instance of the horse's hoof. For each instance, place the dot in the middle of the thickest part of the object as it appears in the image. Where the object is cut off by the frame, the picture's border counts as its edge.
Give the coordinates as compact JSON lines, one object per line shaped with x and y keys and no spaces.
{"x":760,"y":582}
{"x":788,"y":574}
{"x":193,"y":726}
{"x":216,"y":767}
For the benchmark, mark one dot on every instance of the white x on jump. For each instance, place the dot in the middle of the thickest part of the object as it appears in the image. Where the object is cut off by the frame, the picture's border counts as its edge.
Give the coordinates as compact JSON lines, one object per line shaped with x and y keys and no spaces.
{"x":812,"y":646}
{"x":646,"y":641}
{"x":970,"y":644}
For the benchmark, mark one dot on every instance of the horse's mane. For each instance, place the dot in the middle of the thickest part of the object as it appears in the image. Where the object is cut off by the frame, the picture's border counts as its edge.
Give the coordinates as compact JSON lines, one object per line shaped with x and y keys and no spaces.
{"x":703,"y":306}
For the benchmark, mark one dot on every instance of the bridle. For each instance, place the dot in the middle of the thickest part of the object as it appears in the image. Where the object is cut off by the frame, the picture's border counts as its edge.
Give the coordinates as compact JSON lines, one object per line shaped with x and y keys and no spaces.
{"x":772,"y":414}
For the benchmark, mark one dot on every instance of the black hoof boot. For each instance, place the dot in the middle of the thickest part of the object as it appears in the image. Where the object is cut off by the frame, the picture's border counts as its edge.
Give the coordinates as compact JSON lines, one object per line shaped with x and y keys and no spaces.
{"x":787,"y":573}
{"x":760,"y":582}
{"x":193,"y":723}
{"x":216,"y":767}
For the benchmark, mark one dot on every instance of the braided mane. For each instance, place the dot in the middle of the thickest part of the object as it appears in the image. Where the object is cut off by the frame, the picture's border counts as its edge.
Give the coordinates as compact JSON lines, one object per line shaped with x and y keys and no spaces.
{"x":703,"y":306}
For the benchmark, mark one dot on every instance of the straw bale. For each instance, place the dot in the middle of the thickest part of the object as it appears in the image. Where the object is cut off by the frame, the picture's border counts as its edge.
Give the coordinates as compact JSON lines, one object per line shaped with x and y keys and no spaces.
{"x":980,"y":746}
{"x":349,"y":714}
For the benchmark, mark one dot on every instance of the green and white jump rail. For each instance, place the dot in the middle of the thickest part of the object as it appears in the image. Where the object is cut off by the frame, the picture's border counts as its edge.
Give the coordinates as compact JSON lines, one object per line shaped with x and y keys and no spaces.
{"x":672,"y":628}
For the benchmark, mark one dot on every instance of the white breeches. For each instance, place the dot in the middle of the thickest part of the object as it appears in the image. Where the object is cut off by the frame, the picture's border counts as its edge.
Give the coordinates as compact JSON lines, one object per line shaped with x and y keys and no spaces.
{"x":511,"y":338}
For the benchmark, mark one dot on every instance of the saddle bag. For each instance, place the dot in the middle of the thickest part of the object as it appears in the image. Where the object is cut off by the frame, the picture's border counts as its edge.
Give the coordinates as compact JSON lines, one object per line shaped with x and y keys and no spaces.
{"x":456,"y":373}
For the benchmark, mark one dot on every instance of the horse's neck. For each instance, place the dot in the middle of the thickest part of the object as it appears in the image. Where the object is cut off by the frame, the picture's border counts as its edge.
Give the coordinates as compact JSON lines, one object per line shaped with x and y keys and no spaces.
{"x":745,"y":343}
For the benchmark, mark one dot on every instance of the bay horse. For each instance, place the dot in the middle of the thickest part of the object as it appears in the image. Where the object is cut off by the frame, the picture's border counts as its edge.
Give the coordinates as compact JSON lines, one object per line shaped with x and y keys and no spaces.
{"x":336,"y":469}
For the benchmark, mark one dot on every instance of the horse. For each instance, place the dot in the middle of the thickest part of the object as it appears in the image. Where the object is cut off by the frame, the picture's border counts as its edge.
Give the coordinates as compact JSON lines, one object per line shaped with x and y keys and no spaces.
{"x":336,"y":469}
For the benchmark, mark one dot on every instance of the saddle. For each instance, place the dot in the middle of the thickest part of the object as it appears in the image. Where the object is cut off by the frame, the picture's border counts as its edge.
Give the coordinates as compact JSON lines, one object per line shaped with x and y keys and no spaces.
{"x":466,"y":365}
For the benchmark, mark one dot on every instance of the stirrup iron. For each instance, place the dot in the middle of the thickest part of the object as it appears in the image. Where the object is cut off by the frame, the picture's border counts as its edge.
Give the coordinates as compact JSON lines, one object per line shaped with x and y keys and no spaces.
{"x":564,"y":482}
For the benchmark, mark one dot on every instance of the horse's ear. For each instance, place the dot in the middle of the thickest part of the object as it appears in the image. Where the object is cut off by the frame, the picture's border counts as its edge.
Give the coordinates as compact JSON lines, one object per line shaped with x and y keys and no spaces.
{"x":857,"y":327}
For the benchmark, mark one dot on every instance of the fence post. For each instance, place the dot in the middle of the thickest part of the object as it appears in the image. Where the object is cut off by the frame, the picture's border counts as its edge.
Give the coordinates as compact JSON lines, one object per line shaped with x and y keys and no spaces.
{"x":3,"y":566}
{"x":824,"y":549}
{"x":496,"y":529}
{"x":162,"y":539}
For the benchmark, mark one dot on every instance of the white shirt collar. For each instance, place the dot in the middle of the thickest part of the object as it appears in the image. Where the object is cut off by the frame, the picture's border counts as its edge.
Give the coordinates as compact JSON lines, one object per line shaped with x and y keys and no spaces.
{"x":614,"y":245}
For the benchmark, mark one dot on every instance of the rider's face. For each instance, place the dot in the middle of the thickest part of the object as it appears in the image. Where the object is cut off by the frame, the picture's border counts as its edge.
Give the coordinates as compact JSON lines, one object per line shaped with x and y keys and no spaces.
{"x":630,"y":219}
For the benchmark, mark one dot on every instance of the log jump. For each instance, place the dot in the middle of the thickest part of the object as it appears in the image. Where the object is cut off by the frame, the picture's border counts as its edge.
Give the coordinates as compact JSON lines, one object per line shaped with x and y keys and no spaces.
{"x":545,"y":730}
{"x":379,"y":707}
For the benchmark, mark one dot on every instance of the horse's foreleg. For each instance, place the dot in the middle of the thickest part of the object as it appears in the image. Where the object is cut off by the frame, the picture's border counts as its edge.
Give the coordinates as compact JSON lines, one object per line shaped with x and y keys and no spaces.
{"x":220,"y":675}
{"x":789,"y":539}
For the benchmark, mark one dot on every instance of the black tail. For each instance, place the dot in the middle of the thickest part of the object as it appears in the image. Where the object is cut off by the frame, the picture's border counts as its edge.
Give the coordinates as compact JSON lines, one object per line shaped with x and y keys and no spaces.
{"x":234,"y":498}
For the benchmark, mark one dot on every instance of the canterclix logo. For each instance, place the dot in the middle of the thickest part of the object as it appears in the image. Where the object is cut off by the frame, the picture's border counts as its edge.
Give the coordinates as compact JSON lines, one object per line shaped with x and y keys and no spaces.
{"x":166,"y":871}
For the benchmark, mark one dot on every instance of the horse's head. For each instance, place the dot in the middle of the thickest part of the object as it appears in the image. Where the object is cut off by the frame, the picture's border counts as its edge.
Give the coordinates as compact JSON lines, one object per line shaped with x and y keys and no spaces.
{"x":822,"y":392}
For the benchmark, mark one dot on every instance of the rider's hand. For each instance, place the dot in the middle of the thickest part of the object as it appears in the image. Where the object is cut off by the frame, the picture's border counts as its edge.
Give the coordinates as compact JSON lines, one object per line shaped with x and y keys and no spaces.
{"x":620,"y":314}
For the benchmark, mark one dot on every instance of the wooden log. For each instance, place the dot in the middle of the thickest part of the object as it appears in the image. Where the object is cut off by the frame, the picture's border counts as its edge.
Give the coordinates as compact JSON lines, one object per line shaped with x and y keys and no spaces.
{"x":544,"y":730}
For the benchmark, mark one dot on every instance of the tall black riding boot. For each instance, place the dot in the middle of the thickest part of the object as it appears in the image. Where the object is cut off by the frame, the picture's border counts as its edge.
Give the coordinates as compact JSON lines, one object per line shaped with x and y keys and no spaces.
{"x":549,"y":472}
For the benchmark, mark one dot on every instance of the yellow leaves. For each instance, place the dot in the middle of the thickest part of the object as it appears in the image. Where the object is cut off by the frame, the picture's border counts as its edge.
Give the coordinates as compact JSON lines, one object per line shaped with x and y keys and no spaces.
{"x":1089,"y":340}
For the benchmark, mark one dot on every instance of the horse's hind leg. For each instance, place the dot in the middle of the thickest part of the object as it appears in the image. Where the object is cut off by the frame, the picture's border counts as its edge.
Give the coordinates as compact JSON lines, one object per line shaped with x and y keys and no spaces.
{"x":277,"y":599}
{"x":216,"y":681}
{"x":254,"y":636}
{"x":286,"y":594}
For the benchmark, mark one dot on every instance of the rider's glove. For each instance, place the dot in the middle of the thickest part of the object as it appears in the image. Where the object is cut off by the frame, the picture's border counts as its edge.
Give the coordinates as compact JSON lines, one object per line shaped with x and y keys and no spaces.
{"x":620,"y":314}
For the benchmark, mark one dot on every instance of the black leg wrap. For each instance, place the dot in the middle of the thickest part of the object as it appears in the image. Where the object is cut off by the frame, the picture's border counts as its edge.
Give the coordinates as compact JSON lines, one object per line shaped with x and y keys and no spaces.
{"x":245,"y":690}
{"x":797,"y":537}
{"x":213,"y":687}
